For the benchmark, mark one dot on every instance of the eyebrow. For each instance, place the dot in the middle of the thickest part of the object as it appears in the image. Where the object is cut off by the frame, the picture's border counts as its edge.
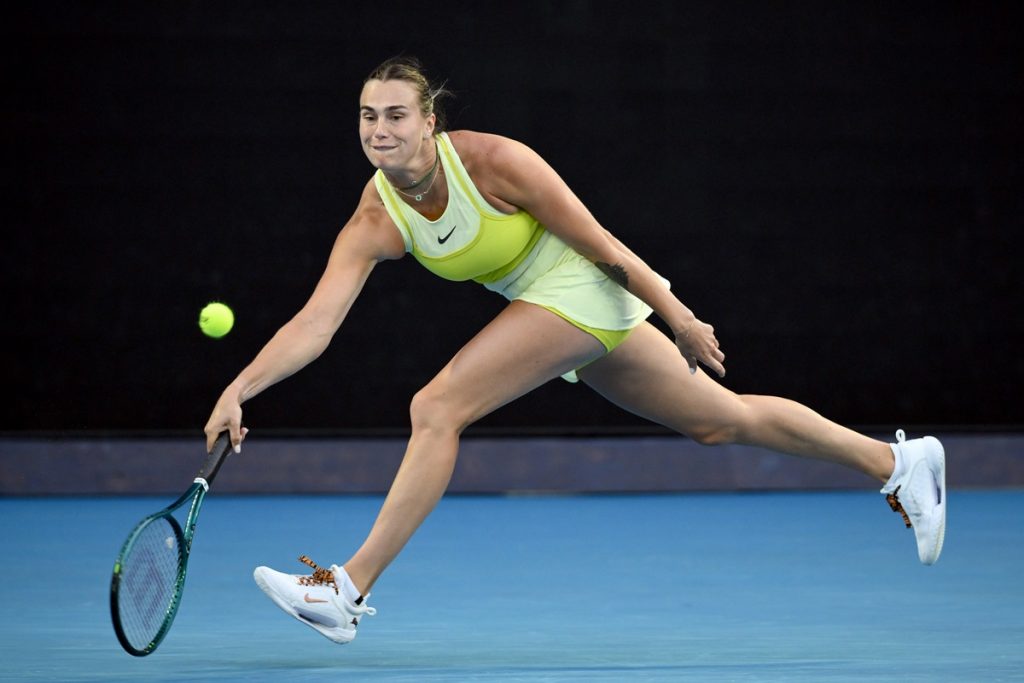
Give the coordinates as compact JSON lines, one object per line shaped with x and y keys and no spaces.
{"x":393,"y":107}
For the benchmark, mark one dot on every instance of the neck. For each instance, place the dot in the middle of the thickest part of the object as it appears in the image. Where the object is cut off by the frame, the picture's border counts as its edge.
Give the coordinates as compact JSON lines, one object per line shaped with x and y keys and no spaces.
{"x":421,"y":188}
{"x":422,"y":179}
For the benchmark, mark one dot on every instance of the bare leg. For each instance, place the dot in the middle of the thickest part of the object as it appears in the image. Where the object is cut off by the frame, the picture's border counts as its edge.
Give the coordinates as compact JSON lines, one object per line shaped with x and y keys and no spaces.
{"x":647,"y":376}
{"x":524,"y":347}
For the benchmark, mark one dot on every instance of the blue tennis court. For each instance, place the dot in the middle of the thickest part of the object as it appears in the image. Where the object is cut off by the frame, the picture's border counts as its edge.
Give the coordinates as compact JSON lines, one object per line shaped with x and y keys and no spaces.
{"x":795,"y":586}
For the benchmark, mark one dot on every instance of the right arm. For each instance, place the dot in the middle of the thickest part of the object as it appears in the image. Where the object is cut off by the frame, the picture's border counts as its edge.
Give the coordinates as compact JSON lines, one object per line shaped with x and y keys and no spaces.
{"x":367,"y":238}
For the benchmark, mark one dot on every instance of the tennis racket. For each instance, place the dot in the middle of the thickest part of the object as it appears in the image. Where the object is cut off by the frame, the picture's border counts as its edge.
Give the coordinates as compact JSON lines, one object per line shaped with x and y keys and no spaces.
{"x":149,"y":573}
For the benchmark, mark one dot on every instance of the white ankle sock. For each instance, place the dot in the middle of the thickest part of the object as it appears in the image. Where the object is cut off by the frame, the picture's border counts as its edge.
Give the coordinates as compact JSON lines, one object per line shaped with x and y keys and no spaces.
{"x":348,"y":588}
{"x":898,"y":466}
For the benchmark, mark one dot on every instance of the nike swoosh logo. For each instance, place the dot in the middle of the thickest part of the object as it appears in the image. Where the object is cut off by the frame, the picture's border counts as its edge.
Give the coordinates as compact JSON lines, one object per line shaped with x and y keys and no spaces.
{"x":442,"y":240}
{"x":309,"y":599}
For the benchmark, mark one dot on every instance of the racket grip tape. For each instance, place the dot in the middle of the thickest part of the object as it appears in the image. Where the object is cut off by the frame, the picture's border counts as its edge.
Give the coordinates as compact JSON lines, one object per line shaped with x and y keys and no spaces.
{"x":221,"y":448}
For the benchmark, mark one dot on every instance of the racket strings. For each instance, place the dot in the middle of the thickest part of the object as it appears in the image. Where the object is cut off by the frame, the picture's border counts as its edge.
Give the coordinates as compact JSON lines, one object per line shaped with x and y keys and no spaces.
{"x":150,"y":582}
{"x":319,"y":577}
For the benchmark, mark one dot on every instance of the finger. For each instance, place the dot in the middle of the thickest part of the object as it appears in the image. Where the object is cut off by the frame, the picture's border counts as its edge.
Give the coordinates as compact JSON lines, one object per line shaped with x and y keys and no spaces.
{"x":713,"y":359}
{"x":237,"y":435}
{"x":213,"y":432}
{"x":692,"y":362}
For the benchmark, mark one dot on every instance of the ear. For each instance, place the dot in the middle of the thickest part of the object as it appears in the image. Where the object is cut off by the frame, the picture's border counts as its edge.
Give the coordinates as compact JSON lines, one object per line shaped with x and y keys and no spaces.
{"x":429,"y":127}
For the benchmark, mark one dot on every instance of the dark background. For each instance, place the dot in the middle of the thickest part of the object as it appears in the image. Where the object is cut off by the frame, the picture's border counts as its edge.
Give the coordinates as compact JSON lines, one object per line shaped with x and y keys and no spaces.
{"x":836,"y":187}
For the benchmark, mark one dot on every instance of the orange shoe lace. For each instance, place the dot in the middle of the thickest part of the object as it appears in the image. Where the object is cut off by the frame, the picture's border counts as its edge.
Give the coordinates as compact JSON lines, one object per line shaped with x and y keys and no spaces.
{"x":897,"y":506}
{"x":319,"y":577}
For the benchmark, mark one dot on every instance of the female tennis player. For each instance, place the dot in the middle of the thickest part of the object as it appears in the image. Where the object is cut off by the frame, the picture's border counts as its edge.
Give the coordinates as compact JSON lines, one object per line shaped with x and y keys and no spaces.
{"x":474,"y":206}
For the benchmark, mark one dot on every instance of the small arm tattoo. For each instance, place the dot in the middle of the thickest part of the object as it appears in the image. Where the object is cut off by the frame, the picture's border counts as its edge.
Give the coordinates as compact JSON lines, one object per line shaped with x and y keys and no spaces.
{"x":616,"y":273}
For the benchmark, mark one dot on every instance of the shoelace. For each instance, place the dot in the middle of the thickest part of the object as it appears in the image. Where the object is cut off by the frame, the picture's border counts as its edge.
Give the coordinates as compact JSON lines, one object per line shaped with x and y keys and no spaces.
{"x":325,"y":577}
{"x":897,"y":506}
{"x":319,"y":577}
{"x":892,"y":498}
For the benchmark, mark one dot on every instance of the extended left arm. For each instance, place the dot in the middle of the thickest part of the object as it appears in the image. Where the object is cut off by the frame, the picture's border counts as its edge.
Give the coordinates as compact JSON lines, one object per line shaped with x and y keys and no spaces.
{"x":521,"y":177}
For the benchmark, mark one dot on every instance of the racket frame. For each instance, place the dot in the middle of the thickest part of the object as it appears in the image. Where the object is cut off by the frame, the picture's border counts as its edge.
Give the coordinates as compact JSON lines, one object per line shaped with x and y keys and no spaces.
{"x":195,"y":493}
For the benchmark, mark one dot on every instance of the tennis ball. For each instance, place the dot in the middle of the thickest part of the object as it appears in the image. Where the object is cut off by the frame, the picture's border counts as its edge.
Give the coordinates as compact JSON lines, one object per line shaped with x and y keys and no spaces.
{"x":216,"y":319}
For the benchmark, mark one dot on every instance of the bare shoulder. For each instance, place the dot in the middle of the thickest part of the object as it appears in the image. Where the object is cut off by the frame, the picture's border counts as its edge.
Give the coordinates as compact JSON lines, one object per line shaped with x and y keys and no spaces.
{"x":486,"y":151}
{"x":370,"y":232}
{"x":504,"y":170}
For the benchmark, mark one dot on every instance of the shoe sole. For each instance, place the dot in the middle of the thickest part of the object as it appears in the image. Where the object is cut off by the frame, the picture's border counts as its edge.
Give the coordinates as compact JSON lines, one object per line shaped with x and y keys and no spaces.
{"x":937,"y":465}
{"x":329,"y":633}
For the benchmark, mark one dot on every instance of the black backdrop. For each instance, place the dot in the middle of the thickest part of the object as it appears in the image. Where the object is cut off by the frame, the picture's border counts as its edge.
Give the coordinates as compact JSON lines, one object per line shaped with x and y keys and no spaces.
{"x":836,"y":187}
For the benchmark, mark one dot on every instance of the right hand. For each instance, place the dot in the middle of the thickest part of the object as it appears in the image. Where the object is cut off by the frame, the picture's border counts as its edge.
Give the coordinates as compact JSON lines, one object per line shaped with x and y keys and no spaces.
{"x":226,"y":415}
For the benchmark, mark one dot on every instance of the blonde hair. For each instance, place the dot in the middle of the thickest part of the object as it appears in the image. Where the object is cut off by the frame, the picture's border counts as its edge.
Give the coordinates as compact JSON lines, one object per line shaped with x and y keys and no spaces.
{"x":410,"y":70}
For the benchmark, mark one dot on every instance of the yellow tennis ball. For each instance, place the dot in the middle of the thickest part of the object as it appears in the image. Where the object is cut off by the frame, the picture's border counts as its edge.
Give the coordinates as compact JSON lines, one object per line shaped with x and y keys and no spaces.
{"x":216,"y":319}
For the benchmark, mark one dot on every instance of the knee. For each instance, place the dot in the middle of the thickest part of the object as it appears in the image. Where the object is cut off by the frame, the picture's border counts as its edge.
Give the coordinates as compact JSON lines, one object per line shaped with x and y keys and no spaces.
{"x":429,"y":410}
{"x":734,"y":425}
{"x":714,"y":435}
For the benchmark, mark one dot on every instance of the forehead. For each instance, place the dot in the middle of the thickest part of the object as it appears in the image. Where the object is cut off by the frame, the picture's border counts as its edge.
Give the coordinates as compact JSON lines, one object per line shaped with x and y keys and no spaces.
{"x":383,"y":94}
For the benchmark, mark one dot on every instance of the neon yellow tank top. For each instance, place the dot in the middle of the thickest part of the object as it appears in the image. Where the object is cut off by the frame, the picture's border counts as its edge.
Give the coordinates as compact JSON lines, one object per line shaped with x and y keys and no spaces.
{"x":471,"y":240}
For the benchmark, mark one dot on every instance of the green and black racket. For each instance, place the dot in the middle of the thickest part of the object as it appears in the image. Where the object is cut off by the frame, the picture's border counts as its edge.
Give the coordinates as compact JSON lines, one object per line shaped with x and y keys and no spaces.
{"x":149,"y":573}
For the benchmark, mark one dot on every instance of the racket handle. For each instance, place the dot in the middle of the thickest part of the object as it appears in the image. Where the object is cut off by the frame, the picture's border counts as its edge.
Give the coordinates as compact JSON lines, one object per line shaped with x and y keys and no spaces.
{"x":221,"y":448}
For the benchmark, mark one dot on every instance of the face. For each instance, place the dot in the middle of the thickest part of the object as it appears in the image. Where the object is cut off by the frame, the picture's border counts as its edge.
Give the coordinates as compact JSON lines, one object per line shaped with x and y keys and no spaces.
{"x":392,"y":128}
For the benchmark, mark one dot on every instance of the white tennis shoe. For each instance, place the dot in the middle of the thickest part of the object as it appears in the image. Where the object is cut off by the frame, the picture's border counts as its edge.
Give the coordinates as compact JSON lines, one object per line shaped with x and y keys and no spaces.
{"x":917,"y":490}
{"x":326,"y":600}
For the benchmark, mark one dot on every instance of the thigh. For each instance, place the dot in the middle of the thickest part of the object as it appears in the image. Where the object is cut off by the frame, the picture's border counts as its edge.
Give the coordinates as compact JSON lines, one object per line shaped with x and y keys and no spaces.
{"x":522,"y":348}
{"x":647,"y":376}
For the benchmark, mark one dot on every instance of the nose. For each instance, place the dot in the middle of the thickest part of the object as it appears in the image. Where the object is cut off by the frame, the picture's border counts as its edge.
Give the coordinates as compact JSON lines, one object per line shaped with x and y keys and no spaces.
{"x":379,"y":130}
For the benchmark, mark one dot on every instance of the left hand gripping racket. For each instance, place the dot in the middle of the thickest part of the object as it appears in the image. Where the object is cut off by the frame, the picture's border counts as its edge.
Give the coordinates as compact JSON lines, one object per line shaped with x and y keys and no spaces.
{"x":149,"y":573}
